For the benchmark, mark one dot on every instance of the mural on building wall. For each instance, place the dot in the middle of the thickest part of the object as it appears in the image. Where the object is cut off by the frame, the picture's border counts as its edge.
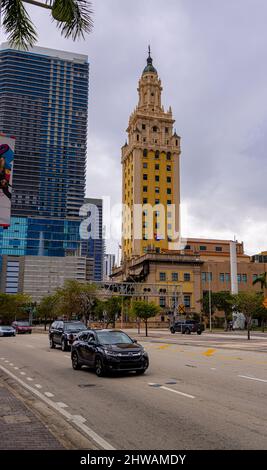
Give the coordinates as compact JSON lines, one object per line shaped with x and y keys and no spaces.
{"x":7,"y":147}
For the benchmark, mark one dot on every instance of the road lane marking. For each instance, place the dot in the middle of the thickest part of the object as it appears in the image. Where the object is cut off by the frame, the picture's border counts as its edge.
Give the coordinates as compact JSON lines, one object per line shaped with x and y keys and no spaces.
{"x":29,"y":378}
{"x":164,"y":346}
{"x":11,"y":364}
{"x":176,"y":391}
{"x":49,"y":395}
{"x":213,"y":368}
{"x":65,"y":355}
{"x":252,"y":378}
{"x":16,"y":368}
{"x":6,"y":361}
{"x":209,"y":352}
{"x":61,"y":404}
{"x":38,"y":385}
{"x":71,"y":418}
{"x":79,"y":418}
{"x":152,"y":384}
{"x":22,"y":373}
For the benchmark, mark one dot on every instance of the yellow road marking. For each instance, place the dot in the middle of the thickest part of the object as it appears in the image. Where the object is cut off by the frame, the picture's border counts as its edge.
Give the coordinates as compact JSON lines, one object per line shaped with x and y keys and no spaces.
{"x":209,"y":352}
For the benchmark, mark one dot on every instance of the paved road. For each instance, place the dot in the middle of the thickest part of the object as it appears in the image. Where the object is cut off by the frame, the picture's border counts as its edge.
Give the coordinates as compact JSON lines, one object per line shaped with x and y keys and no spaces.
{"x":194,"y":396}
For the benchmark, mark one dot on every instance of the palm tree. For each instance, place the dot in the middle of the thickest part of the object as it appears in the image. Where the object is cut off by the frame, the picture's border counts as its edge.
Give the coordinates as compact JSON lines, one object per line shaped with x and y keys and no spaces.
{"x":262,"y":280}
{"x":73,"y":19}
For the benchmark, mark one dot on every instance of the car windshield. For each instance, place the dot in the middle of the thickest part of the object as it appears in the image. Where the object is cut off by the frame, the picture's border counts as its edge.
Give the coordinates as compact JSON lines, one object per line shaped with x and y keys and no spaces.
{"x":23,"y":323}
{"x":113,"y":337}
{"x":6,"y":328}
{"x":75,"y":326}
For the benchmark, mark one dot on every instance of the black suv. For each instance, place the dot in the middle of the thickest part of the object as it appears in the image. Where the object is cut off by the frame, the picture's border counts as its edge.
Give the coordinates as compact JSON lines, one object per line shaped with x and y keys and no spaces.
{"x":108,"y":350}
{"x":63,"y":333}
{"x":187,"y":327}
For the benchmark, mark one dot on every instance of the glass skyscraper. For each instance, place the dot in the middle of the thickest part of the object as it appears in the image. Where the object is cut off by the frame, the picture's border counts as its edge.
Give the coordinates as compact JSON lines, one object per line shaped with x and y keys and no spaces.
{"x":44,"y":104}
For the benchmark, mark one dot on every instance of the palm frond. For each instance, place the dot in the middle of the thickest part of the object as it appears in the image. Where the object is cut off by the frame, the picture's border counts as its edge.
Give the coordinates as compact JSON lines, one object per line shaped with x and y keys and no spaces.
{"x":17,"y":24}
{"x":79,"y":22}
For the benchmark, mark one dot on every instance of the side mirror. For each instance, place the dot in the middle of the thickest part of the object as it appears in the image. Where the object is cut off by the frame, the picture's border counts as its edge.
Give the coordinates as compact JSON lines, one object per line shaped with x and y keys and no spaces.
{"x":135,"y":340}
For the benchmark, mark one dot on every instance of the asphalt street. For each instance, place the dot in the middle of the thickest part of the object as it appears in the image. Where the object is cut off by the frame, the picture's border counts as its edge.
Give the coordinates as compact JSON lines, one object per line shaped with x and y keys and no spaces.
{"x":198,"y":393}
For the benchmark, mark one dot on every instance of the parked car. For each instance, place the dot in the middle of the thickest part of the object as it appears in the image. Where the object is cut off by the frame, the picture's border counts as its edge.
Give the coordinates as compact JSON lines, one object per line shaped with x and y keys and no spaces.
{"x":7,"y":331}
{"x":63,"y":333}
{"x":108,"y":350}
{"x":187,"y":327}
{"x":22,"y":327}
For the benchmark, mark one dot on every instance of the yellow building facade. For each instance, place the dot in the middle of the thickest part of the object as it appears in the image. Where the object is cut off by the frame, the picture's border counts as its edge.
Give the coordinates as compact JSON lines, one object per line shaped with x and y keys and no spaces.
{"x":150,"y":173}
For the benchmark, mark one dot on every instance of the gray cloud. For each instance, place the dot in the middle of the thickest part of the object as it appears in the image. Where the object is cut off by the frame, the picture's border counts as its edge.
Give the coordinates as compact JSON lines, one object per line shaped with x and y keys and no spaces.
{"x":210,"y":56}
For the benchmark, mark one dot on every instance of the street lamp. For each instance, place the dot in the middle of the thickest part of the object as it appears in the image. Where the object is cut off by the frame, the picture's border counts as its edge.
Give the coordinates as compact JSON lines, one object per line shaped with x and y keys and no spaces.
{"x":210,"y":312}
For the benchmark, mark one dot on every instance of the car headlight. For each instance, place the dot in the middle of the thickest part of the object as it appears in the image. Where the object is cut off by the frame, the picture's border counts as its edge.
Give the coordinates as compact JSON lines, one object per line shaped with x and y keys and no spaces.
{"x":112,"y":353}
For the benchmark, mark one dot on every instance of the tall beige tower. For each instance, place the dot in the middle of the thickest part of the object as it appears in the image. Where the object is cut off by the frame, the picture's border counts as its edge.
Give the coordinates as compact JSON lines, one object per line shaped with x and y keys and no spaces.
{"x":150,"y":173}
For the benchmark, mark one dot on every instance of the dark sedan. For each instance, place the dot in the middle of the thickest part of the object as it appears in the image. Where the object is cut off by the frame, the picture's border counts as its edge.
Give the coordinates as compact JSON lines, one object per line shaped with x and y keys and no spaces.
{"x":108,"y":350}
{"x":7,"y":331}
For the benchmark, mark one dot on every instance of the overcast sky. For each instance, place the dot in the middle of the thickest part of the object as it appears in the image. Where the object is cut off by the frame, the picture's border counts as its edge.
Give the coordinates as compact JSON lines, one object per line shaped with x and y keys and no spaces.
{"x":211,"y":58}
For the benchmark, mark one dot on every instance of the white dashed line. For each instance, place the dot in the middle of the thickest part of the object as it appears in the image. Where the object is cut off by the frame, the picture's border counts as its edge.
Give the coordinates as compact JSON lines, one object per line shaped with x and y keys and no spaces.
{"x":213,"y":368}
{"x":38,"y":385}
{"x":11,"y":364}
{"x":7,"y":361}
{"x":86,"y":430}
{"x":30,"y":379}
{"x":162,"y":387}
{"x":49,"y":395}
{"x":178,"y":393}
{"x":65,"y":355}
{"x":61,"y":404}
{"x":79,"y":418}
{"x":15,"y":367}
{"x":22,"y":373}
{"x":252,"y":378}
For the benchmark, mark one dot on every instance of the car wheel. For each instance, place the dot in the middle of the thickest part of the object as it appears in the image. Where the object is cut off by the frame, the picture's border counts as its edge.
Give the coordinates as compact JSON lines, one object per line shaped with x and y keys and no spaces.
{"x":172,"y":330}
{"x":51,"y":343}
{"x":187,"y":331}
{"x":99,"y":368}
{"x":199,"y":332}
{"x":30,"y":332}
{"x":64,"y":346}
{"x":75,"y":361}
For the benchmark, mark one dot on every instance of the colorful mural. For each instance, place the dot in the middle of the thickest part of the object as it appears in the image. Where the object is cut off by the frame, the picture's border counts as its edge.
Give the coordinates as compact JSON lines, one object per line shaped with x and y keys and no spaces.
{"x":7,"y":146}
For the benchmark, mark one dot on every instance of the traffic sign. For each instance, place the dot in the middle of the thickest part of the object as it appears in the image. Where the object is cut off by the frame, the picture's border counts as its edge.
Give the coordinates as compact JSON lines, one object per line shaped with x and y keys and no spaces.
{"x":264,"y":303}
{"x":181,"y":308}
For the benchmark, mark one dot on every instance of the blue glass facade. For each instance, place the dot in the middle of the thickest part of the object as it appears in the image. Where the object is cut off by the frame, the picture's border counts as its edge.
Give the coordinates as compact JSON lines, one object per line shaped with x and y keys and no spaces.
{"x":94,"y":247}
{"x":40,"y":237}
{"x":44,"y":104}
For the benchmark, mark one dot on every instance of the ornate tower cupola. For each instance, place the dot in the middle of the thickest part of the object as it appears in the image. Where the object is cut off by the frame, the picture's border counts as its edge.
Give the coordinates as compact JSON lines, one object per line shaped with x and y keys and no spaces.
{"x":149,"y":88}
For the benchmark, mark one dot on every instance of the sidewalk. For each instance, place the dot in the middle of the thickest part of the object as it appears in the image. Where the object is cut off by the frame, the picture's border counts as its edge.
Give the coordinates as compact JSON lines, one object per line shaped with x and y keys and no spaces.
{"x":20,"y":428}
{"x":27,"y":423}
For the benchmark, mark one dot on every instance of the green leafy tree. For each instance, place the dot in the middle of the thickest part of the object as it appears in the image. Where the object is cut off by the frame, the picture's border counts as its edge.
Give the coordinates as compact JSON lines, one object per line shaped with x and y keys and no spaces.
{"x":108,"y":310}
{"x":73,"y":18}
{"x":205,"y":304}
{"x":47,"y":307}
{"x":75,"y":299}
{"x":223,"y":302}
{"x":262,"y":280}
{"x":145,"y":310}
{"x":13,"y":306}
{"x":250,"y":304}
